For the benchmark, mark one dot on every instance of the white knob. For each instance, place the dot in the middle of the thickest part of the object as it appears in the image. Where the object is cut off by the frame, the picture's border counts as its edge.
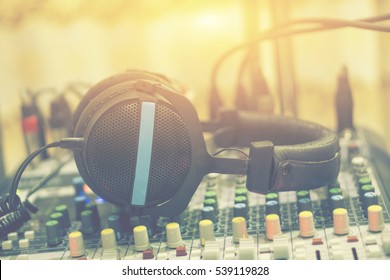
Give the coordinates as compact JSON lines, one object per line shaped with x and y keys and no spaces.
{"x":173,"y":235}
{"x":141,"y":238}
{"x":375,"y":218}
{"x":206,"y":230}
{"x":306,"y":224}
{"x":340,"y":221}
{"x":108,"y":239}
{"x":76,"y":244}
{"x":272,"y":225}
{"x":239,"y":229}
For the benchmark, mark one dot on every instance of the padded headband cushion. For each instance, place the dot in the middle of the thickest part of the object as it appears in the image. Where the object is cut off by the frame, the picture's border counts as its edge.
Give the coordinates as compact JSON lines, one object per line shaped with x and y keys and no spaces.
{"x":305,"y":154}
{"x":129,"y":75}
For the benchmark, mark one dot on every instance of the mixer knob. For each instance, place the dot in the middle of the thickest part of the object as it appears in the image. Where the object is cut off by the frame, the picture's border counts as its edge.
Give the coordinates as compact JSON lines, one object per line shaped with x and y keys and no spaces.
{"x":240,"y":210}
{"x":272,"y":225}
{"x":340,"y":221}
{"x":78,"y":184}
{"x":88,"y":225}
{"x":375,"y":218}
{"x":272,"y":196}
{"x":364,"y":181}
{"x":76,"y":244}
{"x":306,"y":224}
{"x":212,"y":179}
{"x":369,"y":198}
{"x":334,"y":191}
{"x":80,"y":202}
{"x":63,"y":209}
{"x":241,"y":192}
{"x":141,"y":238}
{"x":60,"y":219}
{"x":108,"y":239}
{"x":303,"y":194}
{"x":173,"y":235}
{"x":206,"y":231}
{"x":104,"y":209}
{"x":239,"y":229}
{"x":95,"y":213}
{"x":53,"y":233}
{"x":113,"y":222}
{"x":365,"y":189}
{"x":241,"y":199}
{"x":208,"y":213}
{"x":210,"y":202}
{"x":359,"y":163}
{"x":272,"y":207}
{"x":361,"y":174}
{"x":211,"y":194}
{"x":336,"y":201}
{"x":304,"y":204}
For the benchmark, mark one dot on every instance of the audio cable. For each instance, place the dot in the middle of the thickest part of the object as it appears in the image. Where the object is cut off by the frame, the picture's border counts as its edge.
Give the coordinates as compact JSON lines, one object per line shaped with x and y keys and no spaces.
{"x":284,"y":30}
{"x":13,"y":213}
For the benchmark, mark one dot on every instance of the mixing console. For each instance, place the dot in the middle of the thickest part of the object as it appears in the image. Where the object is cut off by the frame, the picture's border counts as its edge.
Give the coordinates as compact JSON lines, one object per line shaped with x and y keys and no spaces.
{"x":348,"y":219}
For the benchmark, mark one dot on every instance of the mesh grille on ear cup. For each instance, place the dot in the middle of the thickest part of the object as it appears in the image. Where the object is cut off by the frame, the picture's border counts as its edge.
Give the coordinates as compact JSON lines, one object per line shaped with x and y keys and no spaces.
{"x":171,"y":154}
{"x":112,"y":150}
{"x":112,"y":153}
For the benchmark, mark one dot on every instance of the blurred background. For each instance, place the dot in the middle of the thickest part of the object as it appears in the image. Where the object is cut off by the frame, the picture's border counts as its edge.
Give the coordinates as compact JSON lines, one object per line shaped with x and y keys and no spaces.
{"x":54,"y":44}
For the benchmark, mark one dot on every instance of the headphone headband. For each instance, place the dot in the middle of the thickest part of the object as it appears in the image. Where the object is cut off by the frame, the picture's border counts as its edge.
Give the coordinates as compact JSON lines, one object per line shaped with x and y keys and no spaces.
{"x":304,"y":153}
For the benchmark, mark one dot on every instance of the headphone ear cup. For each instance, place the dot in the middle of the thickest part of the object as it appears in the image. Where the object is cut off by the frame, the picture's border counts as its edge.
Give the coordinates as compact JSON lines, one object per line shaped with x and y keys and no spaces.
{"x":129,"y":75}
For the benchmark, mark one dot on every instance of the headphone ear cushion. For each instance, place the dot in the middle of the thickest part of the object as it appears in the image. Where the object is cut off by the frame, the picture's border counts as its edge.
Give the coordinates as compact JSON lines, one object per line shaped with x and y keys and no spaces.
{"x":129,"y":75}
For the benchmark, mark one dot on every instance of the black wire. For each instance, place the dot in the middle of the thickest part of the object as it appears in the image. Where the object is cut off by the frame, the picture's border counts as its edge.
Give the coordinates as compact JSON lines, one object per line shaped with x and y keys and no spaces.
{"x":49,"y":176}
{"x":278,"y":31}
{"x":23,"y":166}
{"x":365,"y":23}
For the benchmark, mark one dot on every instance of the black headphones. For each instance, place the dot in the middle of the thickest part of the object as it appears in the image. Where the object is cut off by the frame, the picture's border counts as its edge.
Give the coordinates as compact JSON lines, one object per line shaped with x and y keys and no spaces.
{"x":144,"y":148}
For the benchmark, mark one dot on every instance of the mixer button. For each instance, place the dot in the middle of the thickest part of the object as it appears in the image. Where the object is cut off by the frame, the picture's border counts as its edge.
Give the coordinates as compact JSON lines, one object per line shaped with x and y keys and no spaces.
{"x":24,"y":243}
{"x":12,"y":236}
{"x":29,"y":234}
{"x":148,"y":254}
{"x":7,"y":245}
{"x":181,"y":251}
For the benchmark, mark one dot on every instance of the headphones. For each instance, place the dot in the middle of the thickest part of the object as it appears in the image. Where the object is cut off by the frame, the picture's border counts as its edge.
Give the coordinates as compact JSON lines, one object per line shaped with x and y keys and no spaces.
{"x":144,"y":148}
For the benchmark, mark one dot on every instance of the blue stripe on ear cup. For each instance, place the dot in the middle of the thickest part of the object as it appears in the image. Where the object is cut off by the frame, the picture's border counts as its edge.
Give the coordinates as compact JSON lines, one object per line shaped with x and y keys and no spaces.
{"x":144,"y":154}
